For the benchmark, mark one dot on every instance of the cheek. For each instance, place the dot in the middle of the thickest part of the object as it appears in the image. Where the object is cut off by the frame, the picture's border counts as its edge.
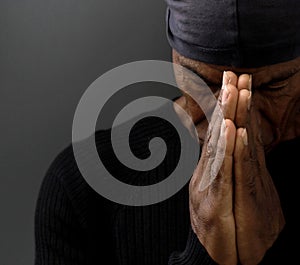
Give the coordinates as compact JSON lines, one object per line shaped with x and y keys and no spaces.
{"x":269,"y":132}
{"x":279,"y":111}
{"x":297,"y":120}
{"x":271,"y":114}
{"x":293,"y":123}
{"x":292,"y":128}
{"x":201,"y":130}
{"x":205,"y":102}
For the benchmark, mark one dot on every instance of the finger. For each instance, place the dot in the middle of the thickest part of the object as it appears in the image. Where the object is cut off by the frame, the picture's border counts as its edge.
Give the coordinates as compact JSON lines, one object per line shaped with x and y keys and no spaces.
{"x":215,"y":140}
{"x":226,"y":170}
{"x":218,"y":169}
{"x":249,"y":155}
{"x":230,"y":77}
{"x":215,"y":147}
{"x":229,"y":95}
{"x":244,"y":175}
{"x":244,"y":100}
{"x":244,"y":82}
{"x":229,"y":83}
{"x":257,"y":209}
{"x":214,"y":131}
{"x":242,"y":109}
{"x":230,"y":132}
{"x":228,"y":99}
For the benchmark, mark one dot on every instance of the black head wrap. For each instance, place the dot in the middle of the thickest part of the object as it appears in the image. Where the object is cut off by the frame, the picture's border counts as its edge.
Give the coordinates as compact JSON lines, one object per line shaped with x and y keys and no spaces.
{"x":241,"y":33}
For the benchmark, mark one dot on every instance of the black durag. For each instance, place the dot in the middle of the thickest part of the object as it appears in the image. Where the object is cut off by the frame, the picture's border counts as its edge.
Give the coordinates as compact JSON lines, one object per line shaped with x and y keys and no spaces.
{"x":240,"y":33}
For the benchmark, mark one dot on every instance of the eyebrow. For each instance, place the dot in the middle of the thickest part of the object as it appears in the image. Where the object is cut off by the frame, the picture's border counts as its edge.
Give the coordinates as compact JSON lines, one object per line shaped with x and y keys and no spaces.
{"x":216,"y":81}
{"x":268,"y":75}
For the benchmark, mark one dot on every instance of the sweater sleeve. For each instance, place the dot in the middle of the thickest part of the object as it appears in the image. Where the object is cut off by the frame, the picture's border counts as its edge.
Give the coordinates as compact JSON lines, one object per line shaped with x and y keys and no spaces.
{"x":59,"y":236}
{"x":194,"y":253}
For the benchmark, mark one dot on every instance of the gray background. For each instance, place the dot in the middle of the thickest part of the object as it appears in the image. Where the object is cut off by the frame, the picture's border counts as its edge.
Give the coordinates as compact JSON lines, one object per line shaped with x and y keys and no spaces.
{"x":50,"y":52}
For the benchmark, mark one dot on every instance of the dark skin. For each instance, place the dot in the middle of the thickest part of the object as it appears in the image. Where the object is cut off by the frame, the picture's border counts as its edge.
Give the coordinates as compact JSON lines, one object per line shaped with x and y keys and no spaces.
{"x":238,"y":217}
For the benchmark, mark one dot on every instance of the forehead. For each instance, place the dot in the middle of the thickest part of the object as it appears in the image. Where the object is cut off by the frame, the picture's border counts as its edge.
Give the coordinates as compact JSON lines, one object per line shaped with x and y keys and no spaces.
{"x":260,"y":75}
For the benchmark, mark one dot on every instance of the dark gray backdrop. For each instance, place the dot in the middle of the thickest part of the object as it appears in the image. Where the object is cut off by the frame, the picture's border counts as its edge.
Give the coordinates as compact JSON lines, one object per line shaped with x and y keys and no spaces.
{"x":50,"y":52}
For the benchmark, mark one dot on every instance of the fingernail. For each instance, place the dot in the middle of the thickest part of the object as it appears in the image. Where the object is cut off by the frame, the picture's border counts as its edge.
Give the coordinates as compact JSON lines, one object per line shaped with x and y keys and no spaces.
{"x":250,"y":83}
{"x":225,"y":94}
{"x":249,"y":100}
{"x":226,"y":80}
{"x":223,"y":128}
{"x":245,"y":136}
{"x":250,"y":92}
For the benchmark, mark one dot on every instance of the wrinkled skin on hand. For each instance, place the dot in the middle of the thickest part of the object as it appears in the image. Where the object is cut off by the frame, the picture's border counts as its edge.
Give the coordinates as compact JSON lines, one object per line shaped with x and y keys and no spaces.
{"x":211,"y":207}
{"x":238,"y":216}
{"x":257,"y":211}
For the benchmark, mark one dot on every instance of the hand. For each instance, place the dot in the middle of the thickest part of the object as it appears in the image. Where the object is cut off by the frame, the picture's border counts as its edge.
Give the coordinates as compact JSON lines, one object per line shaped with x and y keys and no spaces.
{"x":211,"y":204}
{"x":252,"y":225}
{"x":257,"y":211}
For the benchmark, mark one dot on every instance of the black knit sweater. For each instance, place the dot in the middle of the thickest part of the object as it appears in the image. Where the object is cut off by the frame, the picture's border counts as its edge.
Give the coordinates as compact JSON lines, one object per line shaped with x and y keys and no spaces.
{"x":75,"y":225}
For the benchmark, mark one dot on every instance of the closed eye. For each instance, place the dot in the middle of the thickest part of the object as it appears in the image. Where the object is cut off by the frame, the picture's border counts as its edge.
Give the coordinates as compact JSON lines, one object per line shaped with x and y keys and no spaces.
{"x":276,"y":85}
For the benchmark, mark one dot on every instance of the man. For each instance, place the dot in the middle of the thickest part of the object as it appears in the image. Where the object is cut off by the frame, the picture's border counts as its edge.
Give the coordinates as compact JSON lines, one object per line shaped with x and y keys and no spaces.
{"x":247,"y":214}
{"x":239,"y":216}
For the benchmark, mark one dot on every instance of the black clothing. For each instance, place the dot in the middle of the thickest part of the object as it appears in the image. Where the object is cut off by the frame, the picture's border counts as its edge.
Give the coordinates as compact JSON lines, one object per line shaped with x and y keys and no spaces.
{"x":75,"y":225}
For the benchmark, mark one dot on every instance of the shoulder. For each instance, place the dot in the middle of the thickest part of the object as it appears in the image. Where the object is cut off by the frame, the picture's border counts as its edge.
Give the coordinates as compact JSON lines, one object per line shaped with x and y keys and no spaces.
{"x":64,"y":167}
{"x":64,"y":181}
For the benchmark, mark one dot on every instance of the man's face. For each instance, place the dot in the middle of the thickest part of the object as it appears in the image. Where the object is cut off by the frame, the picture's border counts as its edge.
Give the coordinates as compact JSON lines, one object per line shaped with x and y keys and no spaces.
{"x":275,"y":95}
